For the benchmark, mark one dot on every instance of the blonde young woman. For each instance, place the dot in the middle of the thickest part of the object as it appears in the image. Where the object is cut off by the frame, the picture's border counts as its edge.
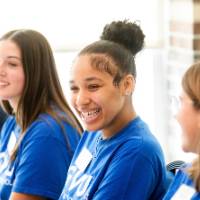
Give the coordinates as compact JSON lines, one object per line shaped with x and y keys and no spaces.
{"x":38,"y":139}
{"x":186,"y":184}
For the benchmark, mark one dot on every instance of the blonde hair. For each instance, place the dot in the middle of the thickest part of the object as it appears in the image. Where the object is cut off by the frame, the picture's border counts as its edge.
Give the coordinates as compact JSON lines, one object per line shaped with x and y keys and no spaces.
{"x":191,"y":85}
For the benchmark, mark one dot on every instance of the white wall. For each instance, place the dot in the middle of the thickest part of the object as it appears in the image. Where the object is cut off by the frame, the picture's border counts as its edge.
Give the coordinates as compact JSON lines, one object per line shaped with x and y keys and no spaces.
{"x":72,"y":24}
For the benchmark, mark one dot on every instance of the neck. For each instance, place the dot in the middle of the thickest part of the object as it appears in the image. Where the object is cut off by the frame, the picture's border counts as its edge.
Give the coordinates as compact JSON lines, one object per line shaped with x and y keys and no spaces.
{"x":119,"y":123}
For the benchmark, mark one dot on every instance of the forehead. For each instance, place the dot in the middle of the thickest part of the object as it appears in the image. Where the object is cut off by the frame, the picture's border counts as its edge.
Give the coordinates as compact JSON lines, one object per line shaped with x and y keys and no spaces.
{"x":9,"y":48}
{"x":83,"y":68}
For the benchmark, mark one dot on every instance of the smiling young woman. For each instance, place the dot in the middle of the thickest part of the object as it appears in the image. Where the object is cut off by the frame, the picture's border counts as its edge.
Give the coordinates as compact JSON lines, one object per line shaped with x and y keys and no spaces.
{"x":41,"y":133}
{"x":117,"y":157}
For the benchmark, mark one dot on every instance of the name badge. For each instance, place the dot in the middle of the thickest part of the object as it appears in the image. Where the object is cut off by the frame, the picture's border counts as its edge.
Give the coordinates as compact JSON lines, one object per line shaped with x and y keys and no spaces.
{"x":184,"y":193}
{"x":83,"y":159}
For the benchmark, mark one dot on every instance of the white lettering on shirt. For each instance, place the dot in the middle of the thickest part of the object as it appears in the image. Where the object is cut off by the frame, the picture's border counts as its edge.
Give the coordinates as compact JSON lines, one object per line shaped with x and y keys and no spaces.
{"x":77,"y":181}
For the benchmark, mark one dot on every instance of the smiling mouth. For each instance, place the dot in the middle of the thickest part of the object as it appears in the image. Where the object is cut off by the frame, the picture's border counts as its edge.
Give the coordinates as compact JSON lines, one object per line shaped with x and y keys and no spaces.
{"x":90,"y":116}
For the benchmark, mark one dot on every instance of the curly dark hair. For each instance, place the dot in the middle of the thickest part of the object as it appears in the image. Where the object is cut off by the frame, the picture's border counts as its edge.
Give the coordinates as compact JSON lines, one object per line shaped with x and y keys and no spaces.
{"x":125,"y":33}
{"x":115,"y":51}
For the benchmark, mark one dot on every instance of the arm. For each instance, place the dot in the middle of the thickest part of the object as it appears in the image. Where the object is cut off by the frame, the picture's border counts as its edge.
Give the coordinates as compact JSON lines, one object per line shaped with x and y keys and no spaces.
{"x":20,"y":196}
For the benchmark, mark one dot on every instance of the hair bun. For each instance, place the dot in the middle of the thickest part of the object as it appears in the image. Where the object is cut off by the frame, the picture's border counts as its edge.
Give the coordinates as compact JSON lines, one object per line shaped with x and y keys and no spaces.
{"x":125,"y":33}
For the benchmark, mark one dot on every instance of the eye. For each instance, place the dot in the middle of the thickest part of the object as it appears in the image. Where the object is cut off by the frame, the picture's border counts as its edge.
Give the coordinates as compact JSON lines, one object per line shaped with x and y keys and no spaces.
{"x":74,"y":88}
{"x":12,"y":64}
{"x":93,"y":87}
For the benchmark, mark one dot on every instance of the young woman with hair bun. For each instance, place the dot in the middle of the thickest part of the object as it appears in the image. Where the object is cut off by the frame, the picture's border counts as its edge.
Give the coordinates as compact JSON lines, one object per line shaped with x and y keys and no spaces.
{"x":118,"y":157}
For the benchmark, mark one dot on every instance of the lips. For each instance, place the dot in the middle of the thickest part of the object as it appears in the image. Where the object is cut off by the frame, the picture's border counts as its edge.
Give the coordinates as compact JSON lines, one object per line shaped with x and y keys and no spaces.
{"x":90,"y":116}
{"x":3,"y":83}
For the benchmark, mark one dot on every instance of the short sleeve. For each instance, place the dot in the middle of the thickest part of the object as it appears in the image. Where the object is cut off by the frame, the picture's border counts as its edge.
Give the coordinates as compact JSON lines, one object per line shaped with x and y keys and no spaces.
{"x":42,"y":167}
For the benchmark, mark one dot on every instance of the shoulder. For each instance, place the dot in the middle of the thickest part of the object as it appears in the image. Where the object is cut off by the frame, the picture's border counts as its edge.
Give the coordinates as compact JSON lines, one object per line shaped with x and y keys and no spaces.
{"x":47,"y":123}
{"x":138,"y":136}
{"x":140,"y":145}
{"x":140,"y":148}
{"x":43,"y":125}
{"x":47,"y":127}
{"x":138,"y":129}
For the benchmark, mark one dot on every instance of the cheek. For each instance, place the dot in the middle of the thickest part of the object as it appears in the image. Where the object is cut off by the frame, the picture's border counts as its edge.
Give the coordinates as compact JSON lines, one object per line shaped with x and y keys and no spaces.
{"x":112,"y":103}
{"x":72,"y":99}
{"x":184,"y":117}
{"x":18,"y":77}
{"x":20,"y":80}
{"x":179,"y":117}
{"x":188,"y":123}
{"x":188,"y":120}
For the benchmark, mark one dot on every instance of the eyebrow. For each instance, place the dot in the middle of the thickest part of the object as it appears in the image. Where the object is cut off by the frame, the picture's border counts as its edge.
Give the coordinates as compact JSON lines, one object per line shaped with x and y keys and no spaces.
{"x":88,"y":79}
{"x":16,"y":57}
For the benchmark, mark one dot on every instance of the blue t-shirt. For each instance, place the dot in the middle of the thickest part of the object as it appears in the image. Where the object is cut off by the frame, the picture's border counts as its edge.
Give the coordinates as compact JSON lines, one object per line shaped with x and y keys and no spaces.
{"x":42,"y":159}
{"x":182,"y":187}
{"x":128,"y":166}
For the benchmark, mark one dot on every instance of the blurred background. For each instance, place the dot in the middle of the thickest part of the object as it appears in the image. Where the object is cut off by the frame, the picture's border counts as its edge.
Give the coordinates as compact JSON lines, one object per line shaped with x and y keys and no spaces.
{"x":172,"y":29}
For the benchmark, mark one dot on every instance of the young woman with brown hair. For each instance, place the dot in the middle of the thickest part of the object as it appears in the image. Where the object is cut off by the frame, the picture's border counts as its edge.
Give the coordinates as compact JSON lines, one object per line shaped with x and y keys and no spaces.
{"x":38,"y":139}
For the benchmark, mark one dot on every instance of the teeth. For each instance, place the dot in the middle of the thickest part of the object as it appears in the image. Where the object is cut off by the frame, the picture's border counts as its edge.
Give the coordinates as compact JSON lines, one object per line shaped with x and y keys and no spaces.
{"x":90,"y":115}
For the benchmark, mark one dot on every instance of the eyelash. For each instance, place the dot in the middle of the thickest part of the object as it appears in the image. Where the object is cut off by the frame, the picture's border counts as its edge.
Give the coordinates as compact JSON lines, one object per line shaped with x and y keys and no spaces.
{"x":12,"y":64}
{"x":73,"y":88}
{"x":92,"y":87}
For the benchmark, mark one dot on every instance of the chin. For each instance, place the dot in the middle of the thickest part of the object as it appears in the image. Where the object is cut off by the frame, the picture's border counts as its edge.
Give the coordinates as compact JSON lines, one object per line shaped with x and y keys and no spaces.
{"x":187,"y":149}
{"x":91,"y":128}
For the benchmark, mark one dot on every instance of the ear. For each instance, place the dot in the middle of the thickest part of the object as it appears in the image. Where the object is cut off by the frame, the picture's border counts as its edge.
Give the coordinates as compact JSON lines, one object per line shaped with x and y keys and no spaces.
{"x":128,"y":84}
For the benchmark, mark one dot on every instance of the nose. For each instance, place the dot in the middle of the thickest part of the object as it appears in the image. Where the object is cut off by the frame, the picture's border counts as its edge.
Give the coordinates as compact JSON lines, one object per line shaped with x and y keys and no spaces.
{"x":82,"y":98}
